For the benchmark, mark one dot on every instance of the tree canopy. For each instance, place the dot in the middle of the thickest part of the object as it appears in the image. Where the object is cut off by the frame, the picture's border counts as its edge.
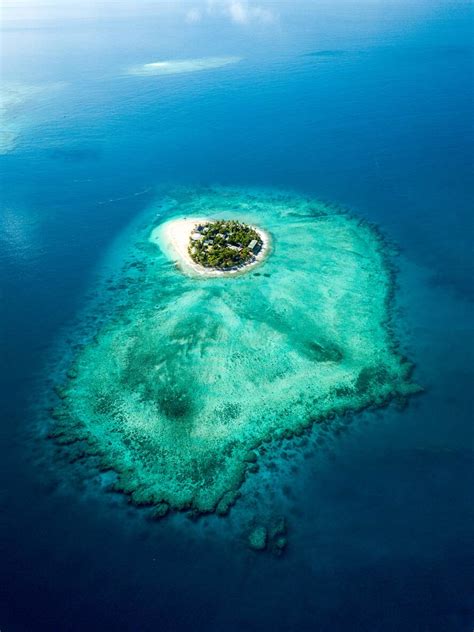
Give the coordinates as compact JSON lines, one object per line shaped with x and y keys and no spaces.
{"x":224,"y":244}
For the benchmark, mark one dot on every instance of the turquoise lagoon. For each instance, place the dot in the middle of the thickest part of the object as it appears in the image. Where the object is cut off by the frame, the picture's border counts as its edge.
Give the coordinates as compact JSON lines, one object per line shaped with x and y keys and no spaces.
{"x":180,"y":388}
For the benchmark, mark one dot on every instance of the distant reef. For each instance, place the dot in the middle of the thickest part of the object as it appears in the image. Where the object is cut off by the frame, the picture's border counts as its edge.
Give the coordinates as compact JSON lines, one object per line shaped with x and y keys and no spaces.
{"x":189,"y":376}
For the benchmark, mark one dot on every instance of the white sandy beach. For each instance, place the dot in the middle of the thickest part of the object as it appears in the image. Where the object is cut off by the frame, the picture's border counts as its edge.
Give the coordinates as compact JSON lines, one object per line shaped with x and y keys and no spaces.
{"x":173,"y":238}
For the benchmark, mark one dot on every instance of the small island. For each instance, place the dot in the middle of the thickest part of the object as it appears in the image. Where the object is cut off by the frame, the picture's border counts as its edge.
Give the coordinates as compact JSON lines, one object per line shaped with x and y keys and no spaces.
{"x":205,"y":247}
{"x":224,"y":244}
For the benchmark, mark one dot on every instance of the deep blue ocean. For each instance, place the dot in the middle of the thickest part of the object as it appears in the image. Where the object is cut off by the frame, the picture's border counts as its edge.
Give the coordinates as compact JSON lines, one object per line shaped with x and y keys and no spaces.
{"x":367,"y":105}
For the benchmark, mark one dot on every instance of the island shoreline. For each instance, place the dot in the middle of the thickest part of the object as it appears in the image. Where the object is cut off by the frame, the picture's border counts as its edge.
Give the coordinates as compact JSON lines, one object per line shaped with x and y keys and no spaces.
{"x":172,"y":236}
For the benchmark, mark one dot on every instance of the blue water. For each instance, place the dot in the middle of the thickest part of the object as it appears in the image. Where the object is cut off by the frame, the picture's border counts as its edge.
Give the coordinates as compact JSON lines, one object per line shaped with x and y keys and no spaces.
{"x":369,"y":107}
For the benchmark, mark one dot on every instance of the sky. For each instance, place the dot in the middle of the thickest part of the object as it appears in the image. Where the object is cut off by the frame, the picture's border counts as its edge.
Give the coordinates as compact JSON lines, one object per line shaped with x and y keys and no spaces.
{"x":237,"y":11}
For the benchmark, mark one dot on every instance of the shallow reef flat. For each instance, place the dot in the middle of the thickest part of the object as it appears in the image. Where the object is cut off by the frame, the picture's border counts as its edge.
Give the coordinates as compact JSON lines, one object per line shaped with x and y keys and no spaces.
{"x":16,"y":101}
{"x":191,"y":375}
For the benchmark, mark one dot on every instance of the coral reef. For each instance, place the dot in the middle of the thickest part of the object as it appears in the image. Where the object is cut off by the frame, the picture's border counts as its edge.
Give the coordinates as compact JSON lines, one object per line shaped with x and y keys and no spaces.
{"x":258,"y":538}
{"x":189,"y":377}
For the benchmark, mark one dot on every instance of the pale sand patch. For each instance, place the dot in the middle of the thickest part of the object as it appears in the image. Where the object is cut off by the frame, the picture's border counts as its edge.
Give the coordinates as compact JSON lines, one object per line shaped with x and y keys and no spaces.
{"x":173,"y":239}
{"x":179,"y":66}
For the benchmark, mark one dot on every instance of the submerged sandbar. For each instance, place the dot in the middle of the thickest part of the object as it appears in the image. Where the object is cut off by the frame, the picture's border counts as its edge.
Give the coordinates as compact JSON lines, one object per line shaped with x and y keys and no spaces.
{"x":190,"y":376}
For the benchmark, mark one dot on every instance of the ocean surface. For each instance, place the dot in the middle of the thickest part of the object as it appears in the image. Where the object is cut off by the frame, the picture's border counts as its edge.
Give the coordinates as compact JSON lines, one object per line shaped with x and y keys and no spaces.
{"x":366,"y":106}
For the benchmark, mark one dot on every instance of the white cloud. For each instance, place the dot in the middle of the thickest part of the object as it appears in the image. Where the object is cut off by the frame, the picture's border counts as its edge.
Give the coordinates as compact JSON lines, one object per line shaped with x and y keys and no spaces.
{"x":193,"y":16}
{"x":243,"y":12}
{"x":237,"y":11}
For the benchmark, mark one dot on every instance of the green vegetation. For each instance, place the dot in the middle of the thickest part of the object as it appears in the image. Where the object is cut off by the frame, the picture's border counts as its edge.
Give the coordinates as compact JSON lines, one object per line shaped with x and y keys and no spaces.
{"x":224,"y":244}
